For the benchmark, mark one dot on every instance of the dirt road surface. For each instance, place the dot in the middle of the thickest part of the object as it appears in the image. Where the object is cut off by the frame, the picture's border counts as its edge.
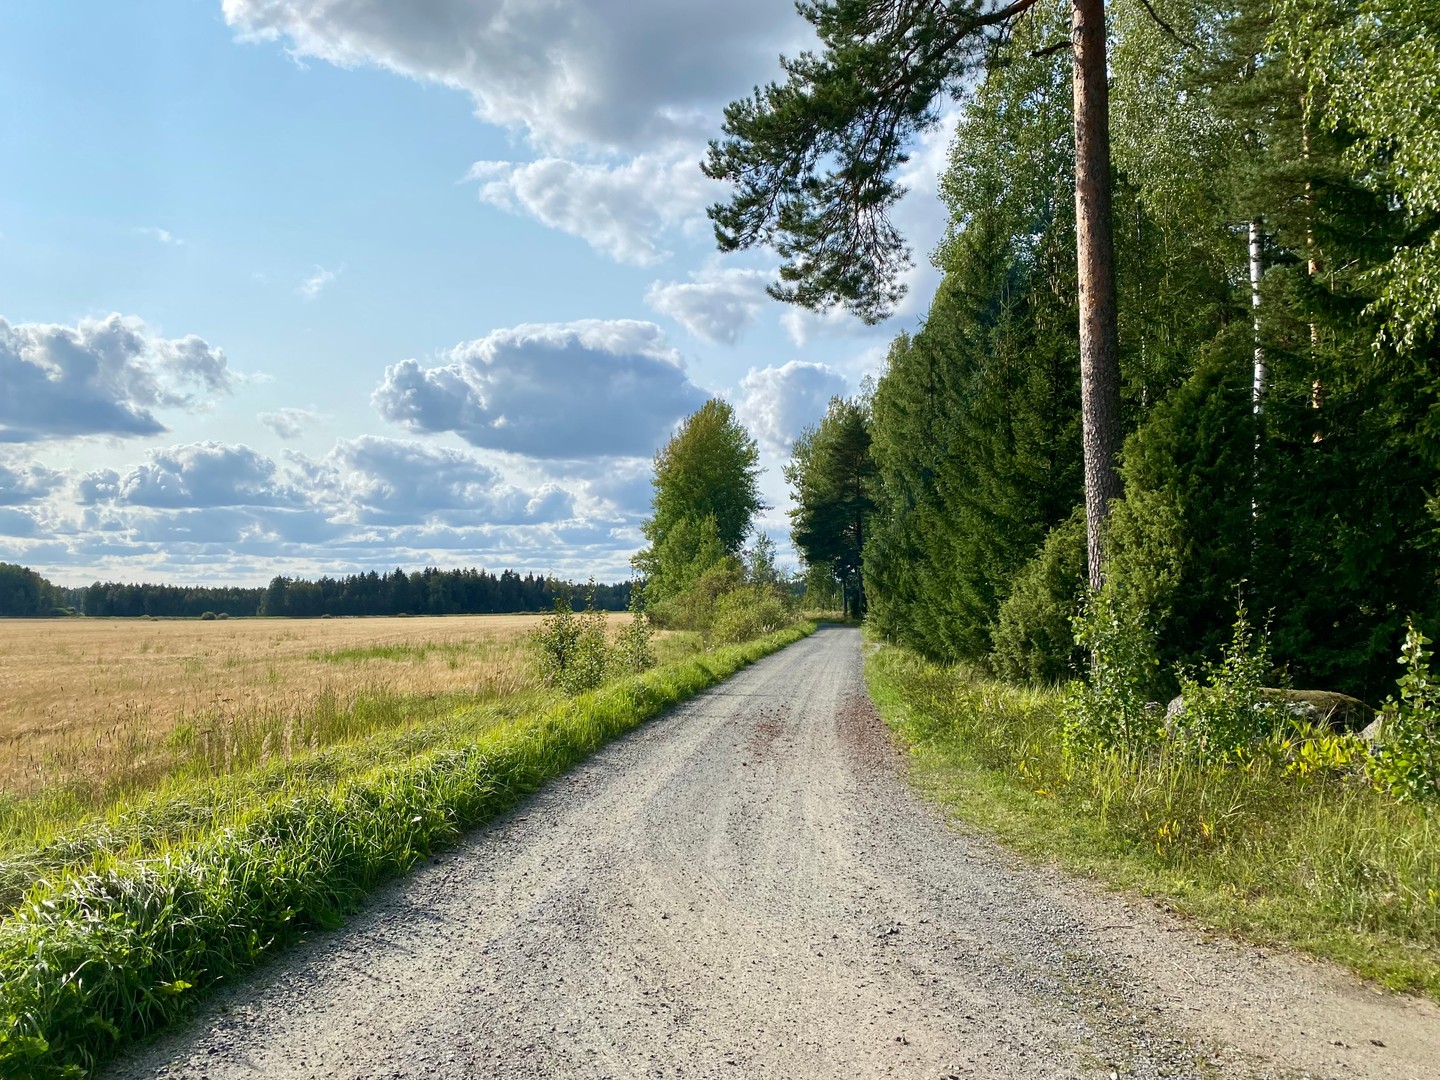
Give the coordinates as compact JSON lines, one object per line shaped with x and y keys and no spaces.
{"x":747,"y":888}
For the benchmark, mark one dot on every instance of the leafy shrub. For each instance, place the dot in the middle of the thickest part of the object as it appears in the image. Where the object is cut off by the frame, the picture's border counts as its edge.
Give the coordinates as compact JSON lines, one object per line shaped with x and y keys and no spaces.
{"x":634,"y":650}
{"x":694,"y":608}
{"x":1033,"y":640}
{"x":1407,"y":764}
{"x":209,"y":616}
{"x":1111,"y":707}
{"x":573,"y":654}
{"x":1226,"y":712}
{"x":747,"y":613}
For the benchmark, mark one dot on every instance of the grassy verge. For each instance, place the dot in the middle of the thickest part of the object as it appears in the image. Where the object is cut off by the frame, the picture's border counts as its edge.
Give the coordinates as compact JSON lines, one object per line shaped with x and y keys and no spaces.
{"x":124,"y":941}
{"x":1316,"y":860}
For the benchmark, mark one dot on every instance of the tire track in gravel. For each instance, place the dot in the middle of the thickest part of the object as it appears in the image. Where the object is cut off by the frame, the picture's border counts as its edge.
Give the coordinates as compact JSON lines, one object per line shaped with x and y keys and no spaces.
{"x":747,"y":887}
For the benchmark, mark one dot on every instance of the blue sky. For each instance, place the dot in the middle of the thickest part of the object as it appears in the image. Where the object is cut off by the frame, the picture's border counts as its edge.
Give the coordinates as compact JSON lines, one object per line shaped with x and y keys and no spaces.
{"x":312,"y":286}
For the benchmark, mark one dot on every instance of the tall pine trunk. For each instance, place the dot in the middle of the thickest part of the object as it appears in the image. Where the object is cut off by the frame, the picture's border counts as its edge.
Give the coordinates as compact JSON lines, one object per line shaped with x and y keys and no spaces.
{"x":1095,"y":250}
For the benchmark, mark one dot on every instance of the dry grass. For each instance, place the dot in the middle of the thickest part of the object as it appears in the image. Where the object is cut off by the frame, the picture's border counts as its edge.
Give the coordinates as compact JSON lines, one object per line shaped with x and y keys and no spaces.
{"x":82,"y":700}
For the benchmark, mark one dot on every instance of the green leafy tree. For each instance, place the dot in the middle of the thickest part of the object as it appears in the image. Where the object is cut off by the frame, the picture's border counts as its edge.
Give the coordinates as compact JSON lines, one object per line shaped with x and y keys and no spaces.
{"x":831,"y":475}
{"x":706,"y":498}
{"x":1373,"y":69}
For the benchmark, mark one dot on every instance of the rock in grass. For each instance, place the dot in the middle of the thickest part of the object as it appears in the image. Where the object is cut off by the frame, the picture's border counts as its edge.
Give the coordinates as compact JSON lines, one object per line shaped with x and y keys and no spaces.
{"x":1338,"y":712}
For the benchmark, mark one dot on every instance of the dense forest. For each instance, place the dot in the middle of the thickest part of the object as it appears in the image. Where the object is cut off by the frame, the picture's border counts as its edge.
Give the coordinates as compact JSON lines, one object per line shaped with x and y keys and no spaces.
{"x":1276,"y":236}
{"x":423,"y":592}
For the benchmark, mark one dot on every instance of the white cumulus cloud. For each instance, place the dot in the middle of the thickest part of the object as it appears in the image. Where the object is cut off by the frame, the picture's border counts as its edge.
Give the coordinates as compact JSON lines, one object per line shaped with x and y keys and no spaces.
{"x":717,"y":305}
{"x":618,"y":75}
{"x":621,"y":210}
{"x":400,"y":481}
{"x":779,"y":402}
{"x":289,"y":423}
{"x":23,"y":482}
{"x":567,"y":390}
{"x":101,"y":377}
{"x":191,"y":476}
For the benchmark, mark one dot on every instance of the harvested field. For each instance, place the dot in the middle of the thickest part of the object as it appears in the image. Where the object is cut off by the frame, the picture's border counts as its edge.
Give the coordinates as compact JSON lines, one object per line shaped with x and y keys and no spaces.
{"x":91,"y":700}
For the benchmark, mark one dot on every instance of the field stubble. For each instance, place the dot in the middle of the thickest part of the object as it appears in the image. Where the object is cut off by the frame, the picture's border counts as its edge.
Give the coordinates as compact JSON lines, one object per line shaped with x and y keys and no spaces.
{"x":93,"y":710}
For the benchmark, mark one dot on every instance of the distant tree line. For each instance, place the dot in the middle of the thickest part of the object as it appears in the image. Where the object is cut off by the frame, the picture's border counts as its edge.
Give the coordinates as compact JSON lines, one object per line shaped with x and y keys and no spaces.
{"x":24,"y":592}
{"x":423,"y":592}
{"x":432,"y":592}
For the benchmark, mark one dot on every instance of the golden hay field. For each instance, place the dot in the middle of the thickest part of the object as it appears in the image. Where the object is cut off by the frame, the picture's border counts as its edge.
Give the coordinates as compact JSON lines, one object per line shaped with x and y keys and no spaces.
{"x":76,"y":695}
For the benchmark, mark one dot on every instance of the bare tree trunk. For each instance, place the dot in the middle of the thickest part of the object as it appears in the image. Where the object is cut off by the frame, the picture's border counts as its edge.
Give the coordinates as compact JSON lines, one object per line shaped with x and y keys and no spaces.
{"x":1257,"y":393}
{"x":1257,"y":390}
{"x":1095,"y":249}
{"x":1312,"y":254}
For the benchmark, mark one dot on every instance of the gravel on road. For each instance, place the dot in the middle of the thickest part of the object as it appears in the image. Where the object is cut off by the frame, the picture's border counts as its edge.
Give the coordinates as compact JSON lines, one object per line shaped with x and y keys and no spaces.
{"x":748,"y":887}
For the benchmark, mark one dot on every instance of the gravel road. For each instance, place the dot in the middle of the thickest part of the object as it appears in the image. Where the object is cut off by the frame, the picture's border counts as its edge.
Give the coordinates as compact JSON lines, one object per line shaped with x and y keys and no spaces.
{"x":748,"y":888}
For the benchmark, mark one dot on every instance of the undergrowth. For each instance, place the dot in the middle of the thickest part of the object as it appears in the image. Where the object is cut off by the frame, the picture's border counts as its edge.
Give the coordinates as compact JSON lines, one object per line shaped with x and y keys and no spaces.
{"x":132,"y":929}
{"x":1291,"y":845}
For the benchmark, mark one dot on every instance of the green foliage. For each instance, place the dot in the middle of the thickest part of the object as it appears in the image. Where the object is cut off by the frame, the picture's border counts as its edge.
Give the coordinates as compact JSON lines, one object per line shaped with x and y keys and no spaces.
{"x":689,"y":549}
{"x":634,"y":650}
{"x":1407,"y":764}
{"x":1183,"y":535}
{"x":573,"y":651}
{"x":1111,"y":708}
{"x":1373,"y":68}
{"x":706,"y":497}
{"x":832,"y":478}
{"x":761,"y":565}
{"x":1034,"y":637}
{"x":24,"y":592}
{"x":1226,"y":714}
{"x":819,"y":591}
{"x":813,"y":160}
{"x":749,"y":612}
{"x":975,"y":428}
{"x":976,"y":441}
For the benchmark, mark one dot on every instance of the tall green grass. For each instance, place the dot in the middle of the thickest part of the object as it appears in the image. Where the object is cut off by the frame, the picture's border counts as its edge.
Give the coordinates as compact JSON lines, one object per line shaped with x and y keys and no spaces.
{"x":1314,"y":858}
{"x":124,"y":940}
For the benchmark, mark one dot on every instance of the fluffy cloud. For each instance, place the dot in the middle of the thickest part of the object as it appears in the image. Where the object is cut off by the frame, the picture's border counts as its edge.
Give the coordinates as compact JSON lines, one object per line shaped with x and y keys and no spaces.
{"x":619,"y":210}
{"x":778,"y":403}
{"x":103,"y":377}
{"x":572,"y":390}
{"x":608,"y":74}
{"x":193,"y":475}
{"x":239,"y":515}
{"x":25,"y":482}
{"x":718,"y":305}
{"x":400,"y":481}
{"x":289,"y":423}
